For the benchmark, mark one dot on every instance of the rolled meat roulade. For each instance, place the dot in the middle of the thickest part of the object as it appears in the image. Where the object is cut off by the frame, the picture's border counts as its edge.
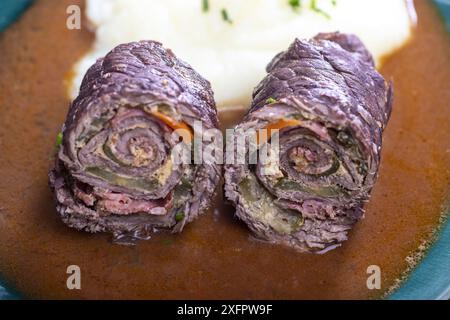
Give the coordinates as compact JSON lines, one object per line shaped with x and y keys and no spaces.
{"x":115,"y":171}
{"x":328,"y":107}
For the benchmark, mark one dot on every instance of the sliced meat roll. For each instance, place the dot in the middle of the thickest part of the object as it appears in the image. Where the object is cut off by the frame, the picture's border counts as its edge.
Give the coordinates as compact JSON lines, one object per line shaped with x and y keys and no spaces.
{"x":115,"y":170}
{"x":328,"y":106}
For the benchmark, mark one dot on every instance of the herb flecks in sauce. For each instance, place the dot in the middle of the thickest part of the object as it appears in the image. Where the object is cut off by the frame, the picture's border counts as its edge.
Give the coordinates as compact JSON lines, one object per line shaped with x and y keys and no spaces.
{"x":179,"y":216}
{"x":59,"y":139}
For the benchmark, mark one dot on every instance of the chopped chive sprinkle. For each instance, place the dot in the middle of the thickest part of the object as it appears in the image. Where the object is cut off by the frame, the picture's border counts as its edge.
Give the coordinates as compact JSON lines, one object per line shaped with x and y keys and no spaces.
{"x":205,"y":5}
{"x":59,"y":138}
{"x":295,"y":4}
{"x":167,"y":242}
{"x":179,"y":216}
{"x":225,"y":16}
{"x":271,"y":100}
{"x":315,"y":8}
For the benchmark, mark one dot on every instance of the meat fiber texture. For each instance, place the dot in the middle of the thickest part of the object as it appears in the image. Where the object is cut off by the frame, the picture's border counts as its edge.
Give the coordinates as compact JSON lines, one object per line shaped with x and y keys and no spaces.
{"x":333,"y":107}
{"x":114,"y":171}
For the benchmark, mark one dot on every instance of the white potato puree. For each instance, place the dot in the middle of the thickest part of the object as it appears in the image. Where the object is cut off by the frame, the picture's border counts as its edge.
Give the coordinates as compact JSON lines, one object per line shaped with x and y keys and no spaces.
{"x":233,"y":56}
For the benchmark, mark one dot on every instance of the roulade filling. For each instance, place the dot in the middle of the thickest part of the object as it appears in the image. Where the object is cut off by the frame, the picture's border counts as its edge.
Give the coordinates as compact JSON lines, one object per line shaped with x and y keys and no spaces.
{"x":127,"y":165}
{"x":317,"y":171}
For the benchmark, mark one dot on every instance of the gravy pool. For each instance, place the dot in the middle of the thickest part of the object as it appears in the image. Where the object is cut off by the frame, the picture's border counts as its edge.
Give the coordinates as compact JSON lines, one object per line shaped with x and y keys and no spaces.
{"x":215,"y":256}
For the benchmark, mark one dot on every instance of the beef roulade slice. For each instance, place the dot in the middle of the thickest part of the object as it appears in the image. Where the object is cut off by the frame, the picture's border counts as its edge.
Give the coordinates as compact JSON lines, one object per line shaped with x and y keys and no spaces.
{"x":329,"y":107}
{"x":115,"y":171}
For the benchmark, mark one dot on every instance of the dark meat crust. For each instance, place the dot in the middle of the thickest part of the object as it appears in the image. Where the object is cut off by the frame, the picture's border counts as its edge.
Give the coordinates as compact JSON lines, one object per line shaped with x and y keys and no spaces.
{"x":134,"y":74}
{"x":145,"y":68}
{"x":334,"y":70}
{"x":337,"y":71}
{"x":332,"y":80}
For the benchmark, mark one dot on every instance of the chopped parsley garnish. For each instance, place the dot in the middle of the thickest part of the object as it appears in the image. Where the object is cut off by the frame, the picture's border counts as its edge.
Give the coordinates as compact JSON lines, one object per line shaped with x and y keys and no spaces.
{"x":59,"y":139}
{"x":225,"y":16}
{"x":295,"y":4}
{"x":205,"y":5}
{"x":167,"y":242}
{"x":315,"y":8}
{"x":179,"y":216}
{"x":271,"y":100}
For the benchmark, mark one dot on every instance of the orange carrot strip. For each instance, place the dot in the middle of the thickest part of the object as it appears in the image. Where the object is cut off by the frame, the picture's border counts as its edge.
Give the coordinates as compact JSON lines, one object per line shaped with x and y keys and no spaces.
{"x":175,"y":125}
{"x":278,"y":125}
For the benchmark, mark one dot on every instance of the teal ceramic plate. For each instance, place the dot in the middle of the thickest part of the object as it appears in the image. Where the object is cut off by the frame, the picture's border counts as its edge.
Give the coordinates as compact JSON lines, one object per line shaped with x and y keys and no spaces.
{"x":9,"y":11}
{"x":429,"y":280}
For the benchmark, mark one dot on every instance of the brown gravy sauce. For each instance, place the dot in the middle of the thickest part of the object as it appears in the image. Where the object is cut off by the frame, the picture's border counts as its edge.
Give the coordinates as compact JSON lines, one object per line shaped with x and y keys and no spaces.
{"x":214,"y":257}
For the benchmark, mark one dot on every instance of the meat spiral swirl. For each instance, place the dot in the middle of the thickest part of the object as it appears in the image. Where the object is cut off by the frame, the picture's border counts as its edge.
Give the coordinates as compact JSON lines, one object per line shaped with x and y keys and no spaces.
{"x":115,"y":171}
{"x":330,"y":107}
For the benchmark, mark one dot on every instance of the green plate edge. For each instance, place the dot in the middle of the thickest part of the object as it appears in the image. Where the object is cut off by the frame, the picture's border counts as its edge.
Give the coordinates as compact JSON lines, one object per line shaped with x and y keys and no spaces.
{"x":10,"y":10}
{"x":430,"y":280}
